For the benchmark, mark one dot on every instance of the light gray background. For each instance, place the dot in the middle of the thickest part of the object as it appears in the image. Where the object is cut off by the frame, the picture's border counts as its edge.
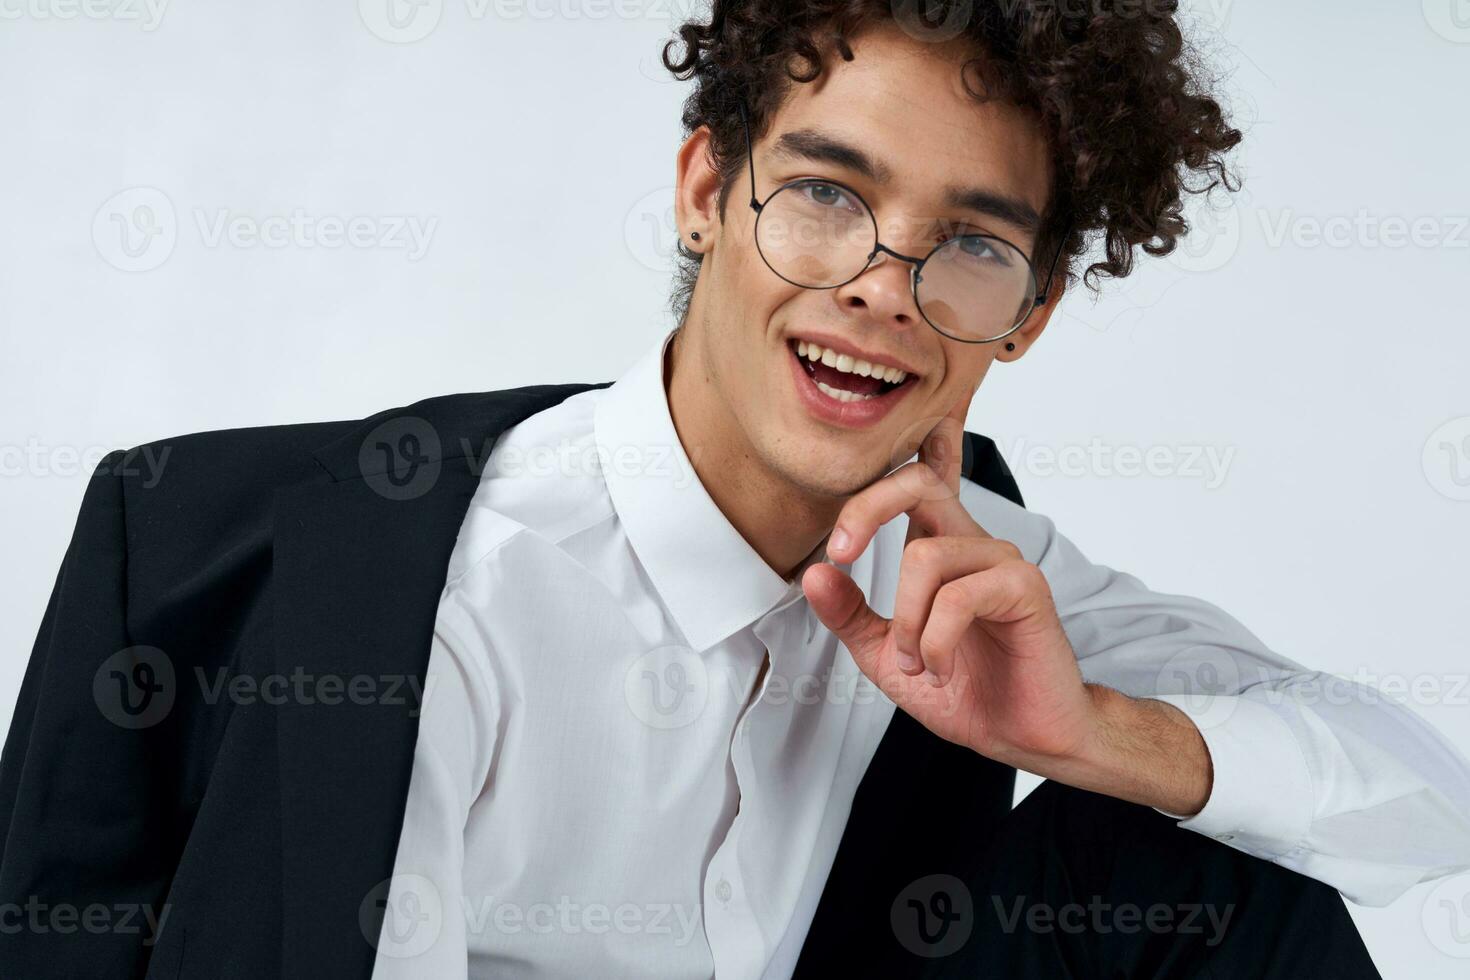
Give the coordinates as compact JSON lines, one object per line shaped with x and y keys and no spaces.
{"x":1312,"y":336}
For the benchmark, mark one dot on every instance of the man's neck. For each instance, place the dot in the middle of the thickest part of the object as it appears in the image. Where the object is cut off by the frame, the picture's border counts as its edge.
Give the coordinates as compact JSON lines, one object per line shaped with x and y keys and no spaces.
{"x":782,"y":523}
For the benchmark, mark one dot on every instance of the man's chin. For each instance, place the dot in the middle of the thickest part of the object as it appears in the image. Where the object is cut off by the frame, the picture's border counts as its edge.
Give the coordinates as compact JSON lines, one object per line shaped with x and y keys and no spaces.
{"x":831,"y":477}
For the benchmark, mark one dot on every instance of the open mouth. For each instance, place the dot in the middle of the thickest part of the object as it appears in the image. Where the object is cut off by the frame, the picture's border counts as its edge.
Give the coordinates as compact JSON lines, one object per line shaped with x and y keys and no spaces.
{"x":847,"y":379}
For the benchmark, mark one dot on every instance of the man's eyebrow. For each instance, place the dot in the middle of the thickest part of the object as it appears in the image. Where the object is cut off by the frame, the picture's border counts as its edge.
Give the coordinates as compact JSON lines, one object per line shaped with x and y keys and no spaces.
{"x":818,"y":147}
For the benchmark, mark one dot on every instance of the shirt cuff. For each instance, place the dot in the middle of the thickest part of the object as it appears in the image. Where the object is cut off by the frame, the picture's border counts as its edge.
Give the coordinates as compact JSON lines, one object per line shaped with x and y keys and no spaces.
{"x":1261,"y":800}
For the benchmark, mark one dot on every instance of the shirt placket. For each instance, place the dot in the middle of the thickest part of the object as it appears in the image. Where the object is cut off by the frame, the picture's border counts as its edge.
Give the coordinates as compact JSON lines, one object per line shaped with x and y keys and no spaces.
{"x":738,"y":946}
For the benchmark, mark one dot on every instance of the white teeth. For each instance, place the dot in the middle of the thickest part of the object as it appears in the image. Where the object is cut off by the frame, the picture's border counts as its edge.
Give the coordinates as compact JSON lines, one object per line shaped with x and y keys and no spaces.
{"x":842,"y":395}
{"x":849,"y":364}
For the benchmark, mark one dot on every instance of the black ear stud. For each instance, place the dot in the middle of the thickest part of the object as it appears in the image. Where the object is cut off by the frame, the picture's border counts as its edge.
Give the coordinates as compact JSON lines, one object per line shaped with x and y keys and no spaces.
{"x":694,"y":235}
{"x":1010,"y":346}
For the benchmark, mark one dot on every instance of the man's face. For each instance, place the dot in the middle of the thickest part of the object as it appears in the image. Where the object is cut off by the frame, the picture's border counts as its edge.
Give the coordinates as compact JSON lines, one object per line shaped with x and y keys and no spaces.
{"x":901,"y":104}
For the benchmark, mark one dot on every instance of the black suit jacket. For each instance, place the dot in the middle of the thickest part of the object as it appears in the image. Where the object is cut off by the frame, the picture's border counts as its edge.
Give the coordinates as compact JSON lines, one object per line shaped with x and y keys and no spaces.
{"x":262,"y":830}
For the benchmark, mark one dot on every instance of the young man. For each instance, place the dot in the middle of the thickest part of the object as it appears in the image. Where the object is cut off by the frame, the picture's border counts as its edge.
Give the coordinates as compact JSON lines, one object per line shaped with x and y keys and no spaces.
{"x":723,"y":669}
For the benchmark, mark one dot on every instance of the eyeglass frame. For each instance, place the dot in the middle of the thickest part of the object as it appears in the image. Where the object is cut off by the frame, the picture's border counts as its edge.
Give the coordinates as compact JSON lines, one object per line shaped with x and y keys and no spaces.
{"x":916,"y":264}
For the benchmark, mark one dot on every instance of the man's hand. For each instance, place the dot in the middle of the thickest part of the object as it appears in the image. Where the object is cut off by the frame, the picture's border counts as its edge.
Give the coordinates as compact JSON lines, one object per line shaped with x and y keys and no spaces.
{"x":976,"y":652}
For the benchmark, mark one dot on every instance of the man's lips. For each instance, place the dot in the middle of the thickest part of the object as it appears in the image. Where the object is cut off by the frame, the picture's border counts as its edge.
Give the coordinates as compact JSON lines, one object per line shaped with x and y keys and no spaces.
{"x":849,"y":401}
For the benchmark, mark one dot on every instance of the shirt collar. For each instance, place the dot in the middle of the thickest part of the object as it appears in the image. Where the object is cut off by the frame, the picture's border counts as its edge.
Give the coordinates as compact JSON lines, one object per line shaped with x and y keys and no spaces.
{"x":710,"y":578}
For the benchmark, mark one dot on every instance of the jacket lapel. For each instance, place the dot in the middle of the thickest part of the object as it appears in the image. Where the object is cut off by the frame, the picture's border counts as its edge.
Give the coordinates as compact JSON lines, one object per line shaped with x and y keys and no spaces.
{"x":360,"y":558}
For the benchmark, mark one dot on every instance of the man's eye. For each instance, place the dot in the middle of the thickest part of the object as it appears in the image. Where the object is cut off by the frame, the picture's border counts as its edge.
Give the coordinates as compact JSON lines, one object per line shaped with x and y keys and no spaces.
{"x":828,"y":195}
{"x":982,"y":248}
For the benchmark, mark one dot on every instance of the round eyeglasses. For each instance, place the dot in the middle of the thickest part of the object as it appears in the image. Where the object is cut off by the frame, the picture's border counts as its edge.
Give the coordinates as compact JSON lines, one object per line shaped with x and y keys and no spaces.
{"x":821,"y":234}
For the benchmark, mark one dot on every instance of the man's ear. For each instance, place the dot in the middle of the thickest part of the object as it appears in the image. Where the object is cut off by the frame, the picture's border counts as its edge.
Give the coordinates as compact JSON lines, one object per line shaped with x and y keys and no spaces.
{"x":696,"y":193}
{"x":1034,"y":325}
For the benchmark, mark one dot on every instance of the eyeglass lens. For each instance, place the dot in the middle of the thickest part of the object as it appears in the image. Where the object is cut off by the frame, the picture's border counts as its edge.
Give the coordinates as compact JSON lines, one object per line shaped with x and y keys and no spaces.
{"x":816,"y":234}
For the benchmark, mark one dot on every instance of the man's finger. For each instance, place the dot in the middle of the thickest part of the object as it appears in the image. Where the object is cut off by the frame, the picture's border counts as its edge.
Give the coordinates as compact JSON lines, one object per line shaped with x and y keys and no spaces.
{"x":925,"y":568}
{"x":943,"y":449}
{"x":914,"y":489}
{"x":843,"y":609}
{"x":1007,"y":592}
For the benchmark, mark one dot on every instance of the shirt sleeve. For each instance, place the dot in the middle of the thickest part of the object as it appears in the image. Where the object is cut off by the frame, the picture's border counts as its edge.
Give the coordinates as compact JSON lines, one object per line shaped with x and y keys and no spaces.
{"x":424,"y":921}
{"x":1321,"y":774}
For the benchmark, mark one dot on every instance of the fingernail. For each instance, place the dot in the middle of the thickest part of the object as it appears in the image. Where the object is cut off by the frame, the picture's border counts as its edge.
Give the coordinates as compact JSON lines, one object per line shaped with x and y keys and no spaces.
{"x":907,"y":662}
{"x":839,"y":541}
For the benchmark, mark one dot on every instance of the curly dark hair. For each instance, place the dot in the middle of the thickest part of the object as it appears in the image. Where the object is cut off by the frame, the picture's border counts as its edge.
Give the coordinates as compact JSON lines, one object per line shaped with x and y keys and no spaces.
{"x":1121,"y":97}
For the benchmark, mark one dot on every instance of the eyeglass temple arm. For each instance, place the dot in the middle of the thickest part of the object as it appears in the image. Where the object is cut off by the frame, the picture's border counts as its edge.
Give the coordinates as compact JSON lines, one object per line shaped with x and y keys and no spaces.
{"x":749,"y":155}
{"x":1055,"y":261}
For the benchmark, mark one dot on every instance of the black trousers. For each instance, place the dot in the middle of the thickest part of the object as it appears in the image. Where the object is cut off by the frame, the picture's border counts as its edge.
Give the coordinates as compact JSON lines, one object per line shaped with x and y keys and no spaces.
{"x":1075,"y":884}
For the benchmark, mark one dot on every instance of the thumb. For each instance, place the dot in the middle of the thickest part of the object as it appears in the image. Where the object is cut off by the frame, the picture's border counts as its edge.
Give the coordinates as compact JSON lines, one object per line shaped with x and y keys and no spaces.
{"x":843,"y":609}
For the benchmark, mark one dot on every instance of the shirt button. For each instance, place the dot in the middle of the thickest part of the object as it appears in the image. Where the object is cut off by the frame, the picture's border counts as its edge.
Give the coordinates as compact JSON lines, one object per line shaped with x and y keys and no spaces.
{"x":723,"y":890}
{"x":1225,"y":838}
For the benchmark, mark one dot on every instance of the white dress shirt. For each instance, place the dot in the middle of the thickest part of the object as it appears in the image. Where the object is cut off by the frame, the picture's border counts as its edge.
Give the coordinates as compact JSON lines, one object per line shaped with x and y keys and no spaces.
{"x":599,"y":788}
